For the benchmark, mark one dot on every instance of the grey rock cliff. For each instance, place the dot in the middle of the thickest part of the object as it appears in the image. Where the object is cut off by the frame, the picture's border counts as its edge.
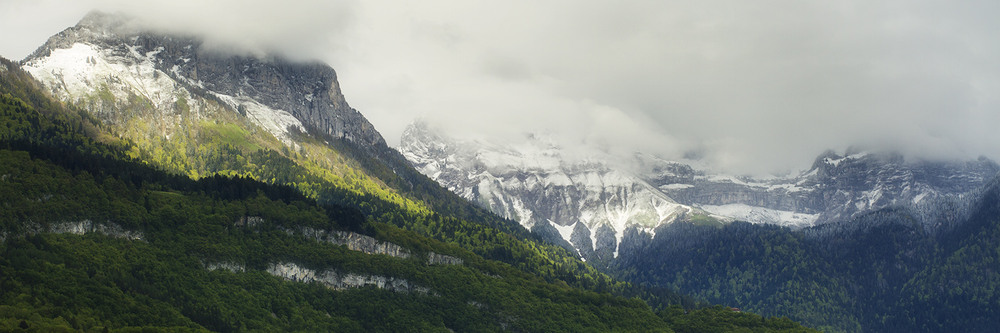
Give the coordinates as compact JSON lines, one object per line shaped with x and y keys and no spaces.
{"x":309,"y":91}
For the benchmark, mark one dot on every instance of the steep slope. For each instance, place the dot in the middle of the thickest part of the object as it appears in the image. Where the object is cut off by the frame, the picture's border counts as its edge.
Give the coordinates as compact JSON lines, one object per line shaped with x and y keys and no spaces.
{"x":201,"y":136}
{"x":176,"y":123}
{"x":836,"y":188}
{"x":589,"y":203}
{"x":836,"y":246}
{"x":278,"y":95}
{"x":960,"y":290}
{"x":882,"y":271}
{"x":191,"y":110}
{"x":93,"y":240}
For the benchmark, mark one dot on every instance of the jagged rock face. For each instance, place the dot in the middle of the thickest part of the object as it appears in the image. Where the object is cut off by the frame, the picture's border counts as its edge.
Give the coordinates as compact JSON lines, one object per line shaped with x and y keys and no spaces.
{"x":589,"y":203}
{"x":309,"y":92}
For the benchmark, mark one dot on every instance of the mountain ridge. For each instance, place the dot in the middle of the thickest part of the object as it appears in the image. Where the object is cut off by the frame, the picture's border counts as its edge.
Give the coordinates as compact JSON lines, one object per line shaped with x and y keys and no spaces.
{"x":517,"y":182}
{"x":309,"y":92}
{"x":190,"y":132}
{"x":880,"y":233}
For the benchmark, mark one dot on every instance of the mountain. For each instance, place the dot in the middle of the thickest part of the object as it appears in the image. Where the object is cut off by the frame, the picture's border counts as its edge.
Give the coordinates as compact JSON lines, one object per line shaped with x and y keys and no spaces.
{"x":859,"y":242}
{"x":111,"y":53}
{"x":190,"y":107}
{"x":886,"y":270}
{"x":588,"y":203}
{"x":836,"y":187}
{"x":92,"y":240}
{"x":540,"y":184}
{"x":172,"y":187}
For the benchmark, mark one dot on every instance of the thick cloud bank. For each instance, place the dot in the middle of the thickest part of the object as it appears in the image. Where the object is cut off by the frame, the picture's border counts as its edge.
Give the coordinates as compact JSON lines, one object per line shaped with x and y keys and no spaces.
{"x":751,"y":86}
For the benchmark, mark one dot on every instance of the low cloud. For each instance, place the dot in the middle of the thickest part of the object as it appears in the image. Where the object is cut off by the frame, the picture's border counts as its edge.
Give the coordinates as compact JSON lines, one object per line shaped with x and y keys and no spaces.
{"x":301,"y":29}
{"x":751,"y":86}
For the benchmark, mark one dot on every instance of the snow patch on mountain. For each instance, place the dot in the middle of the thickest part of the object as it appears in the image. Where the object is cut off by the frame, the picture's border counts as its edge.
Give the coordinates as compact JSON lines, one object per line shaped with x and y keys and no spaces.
{"x":755,"y":214}
{"x":84,"y":71}
{"x":836,"y":161}
{"x":676,"y":186}
{"x":276,"y":122}
{"x":564,"y":230}
{"x":79,"y":71}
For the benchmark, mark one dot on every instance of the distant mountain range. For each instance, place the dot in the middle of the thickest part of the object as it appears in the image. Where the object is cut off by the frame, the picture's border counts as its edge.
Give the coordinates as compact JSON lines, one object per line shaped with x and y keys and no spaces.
{"x":594,"y":200}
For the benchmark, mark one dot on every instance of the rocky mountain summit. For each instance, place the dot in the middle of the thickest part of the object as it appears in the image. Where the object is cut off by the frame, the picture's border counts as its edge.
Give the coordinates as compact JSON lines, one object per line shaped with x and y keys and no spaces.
{"x":123,"y":61}
{"x":594,"y":202}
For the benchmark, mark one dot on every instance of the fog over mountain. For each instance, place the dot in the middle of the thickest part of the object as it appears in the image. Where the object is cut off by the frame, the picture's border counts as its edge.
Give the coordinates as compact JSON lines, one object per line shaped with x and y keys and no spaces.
{"x":751,"y":86}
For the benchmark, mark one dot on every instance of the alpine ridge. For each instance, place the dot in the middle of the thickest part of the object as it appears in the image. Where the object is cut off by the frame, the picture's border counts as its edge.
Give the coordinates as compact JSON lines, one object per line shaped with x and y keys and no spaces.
{"x":540,"y":185}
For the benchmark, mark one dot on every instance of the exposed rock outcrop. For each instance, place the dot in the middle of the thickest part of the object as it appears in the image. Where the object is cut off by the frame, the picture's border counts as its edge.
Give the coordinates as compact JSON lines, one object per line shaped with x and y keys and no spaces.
{"x":369,"y":245}
{"x":229,"y":266}
{"x":338,"y":280}
{"x":88,"y":226}
{"x":353,"y":241}
{"x":441,"y":259}
{"x":77,"y":228}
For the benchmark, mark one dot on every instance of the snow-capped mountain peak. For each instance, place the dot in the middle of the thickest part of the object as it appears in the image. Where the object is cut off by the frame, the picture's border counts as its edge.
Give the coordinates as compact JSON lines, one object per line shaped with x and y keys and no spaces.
{"x":106,"y":61}
{"x":589,"y":203}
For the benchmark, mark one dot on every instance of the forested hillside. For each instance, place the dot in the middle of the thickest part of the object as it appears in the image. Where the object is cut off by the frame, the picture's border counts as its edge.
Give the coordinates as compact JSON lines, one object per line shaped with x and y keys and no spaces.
{"x":882,"y":272}
{"x":95,"y":238}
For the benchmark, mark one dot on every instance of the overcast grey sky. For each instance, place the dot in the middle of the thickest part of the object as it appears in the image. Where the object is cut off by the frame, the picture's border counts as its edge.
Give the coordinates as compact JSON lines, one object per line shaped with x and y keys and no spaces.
{"x":756,"y":85}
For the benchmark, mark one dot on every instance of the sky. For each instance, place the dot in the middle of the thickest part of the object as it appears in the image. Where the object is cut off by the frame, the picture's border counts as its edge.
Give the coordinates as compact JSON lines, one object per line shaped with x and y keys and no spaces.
{"x":751,"y":86}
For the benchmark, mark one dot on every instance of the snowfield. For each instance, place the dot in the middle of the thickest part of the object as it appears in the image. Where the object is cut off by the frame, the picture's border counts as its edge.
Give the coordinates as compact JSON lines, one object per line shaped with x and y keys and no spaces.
{"x":754,"y":214}
{"x":84,"y":71}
